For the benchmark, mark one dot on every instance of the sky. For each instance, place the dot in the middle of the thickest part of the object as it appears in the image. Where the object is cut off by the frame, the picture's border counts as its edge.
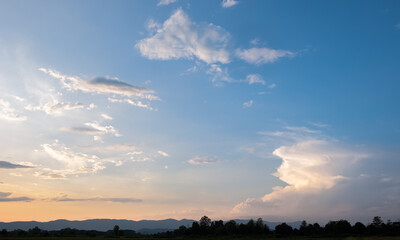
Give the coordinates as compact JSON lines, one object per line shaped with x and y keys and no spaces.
{"x":155,"y":109}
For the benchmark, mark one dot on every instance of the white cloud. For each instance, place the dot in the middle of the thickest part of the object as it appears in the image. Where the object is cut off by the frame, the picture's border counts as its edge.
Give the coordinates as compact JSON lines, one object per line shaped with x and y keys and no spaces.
{"x":201,"y":160}
{"x":9,"y":113}
{"x":248,"y":104}
{"x":273,"y":85}
{"x":397,"y":26}
{"x":255,"y":78}
{"x":165,"y":2}
{"x":179,"y":37}
{"x":106,"y":117}
{"x":262,"y":55}
{"x":162,"y":153}
{"x":229,"y":3}
{"x":218,"y":75}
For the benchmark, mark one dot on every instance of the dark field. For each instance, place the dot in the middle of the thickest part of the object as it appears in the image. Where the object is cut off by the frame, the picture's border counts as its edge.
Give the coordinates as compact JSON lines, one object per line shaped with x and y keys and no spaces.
{"x":207,"y":238}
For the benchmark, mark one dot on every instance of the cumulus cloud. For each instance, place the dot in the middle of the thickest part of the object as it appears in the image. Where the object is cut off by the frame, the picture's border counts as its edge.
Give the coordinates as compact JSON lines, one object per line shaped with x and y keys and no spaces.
{"x":248,"y":104}
{"x":322,"y":179}
{"x":165,"y":2}
{"x":5,"y":197}
{"x":229,"y":3}
{"x":179,"y":37}
{"x":254,"y":78}
{"x":260,"y":56}
{"x":102,"y":85}
{"x":201,"y":160}
{"x":9,"y":113}
{"x":8,"y":165}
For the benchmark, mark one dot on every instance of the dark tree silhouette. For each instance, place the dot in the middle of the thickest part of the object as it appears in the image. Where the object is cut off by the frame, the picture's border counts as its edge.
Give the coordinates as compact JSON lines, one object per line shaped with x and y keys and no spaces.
{"x":283,"y":229}
{"x":358,"y":228}
{"x":116,"y":230}
{"x":205,"y":222}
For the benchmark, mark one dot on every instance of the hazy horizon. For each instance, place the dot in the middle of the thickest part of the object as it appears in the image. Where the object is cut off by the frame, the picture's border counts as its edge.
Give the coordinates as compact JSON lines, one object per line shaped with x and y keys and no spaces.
{"x":233,"y":109}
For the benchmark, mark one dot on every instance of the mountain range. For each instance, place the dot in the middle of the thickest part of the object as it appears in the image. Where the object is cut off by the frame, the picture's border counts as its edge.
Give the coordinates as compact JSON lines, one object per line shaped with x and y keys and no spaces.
{"x":143,"y":226}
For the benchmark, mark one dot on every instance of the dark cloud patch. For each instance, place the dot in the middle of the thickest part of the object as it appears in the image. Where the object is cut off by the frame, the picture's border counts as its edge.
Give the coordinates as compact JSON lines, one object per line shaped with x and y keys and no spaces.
{"x":115,"y":84}
{"x":87,"y":130}
{"x":8,"y":165}
{"x":4,"y":197}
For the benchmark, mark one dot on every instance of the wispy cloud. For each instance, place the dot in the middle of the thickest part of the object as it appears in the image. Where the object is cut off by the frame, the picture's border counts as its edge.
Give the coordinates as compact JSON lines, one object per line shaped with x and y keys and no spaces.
{"x":9,"y":113}
{"x":254,"y":78}
{"x":248,"y":104}
{"x":131,"y":102}
{"x":397,"y":26}
{"x":260,"y":56}
{"x":106,"y":116}
{"x":218,"y":75}
{"x":179,"y":37}
{"x":229,"y":3}
{"x":55,"y":108}
{"x":201,"y":160}
{"x":162,"y":153}
{"x":8,"y":165}
{"x":73,"y":162}
{"x":165,"y":2}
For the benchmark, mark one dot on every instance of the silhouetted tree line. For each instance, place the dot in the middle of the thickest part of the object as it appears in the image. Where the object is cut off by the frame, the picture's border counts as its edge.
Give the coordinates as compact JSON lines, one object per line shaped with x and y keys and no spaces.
{"x":206,"y":227}
{"x":68,"y":232}
{"x":338,"y":228}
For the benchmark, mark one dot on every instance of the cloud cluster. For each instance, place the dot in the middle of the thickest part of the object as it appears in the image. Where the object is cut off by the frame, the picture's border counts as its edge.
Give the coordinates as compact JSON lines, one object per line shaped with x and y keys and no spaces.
{"x":179,"y":37}
{"x":104,"y":85}
{"x":72,"y":162}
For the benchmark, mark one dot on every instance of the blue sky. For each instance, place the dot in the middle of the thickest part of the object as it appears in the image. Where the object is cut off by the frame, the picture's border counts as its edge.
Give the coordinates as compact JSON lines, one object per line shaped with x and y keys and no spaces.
{"x":285,"y":110}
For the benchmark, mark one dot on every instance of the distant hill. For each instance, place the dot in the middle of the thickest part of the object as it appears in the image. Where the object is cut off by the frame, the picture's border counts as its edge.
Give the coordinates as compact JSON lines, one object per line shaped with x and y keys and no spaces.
{"x":143,"y":226}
